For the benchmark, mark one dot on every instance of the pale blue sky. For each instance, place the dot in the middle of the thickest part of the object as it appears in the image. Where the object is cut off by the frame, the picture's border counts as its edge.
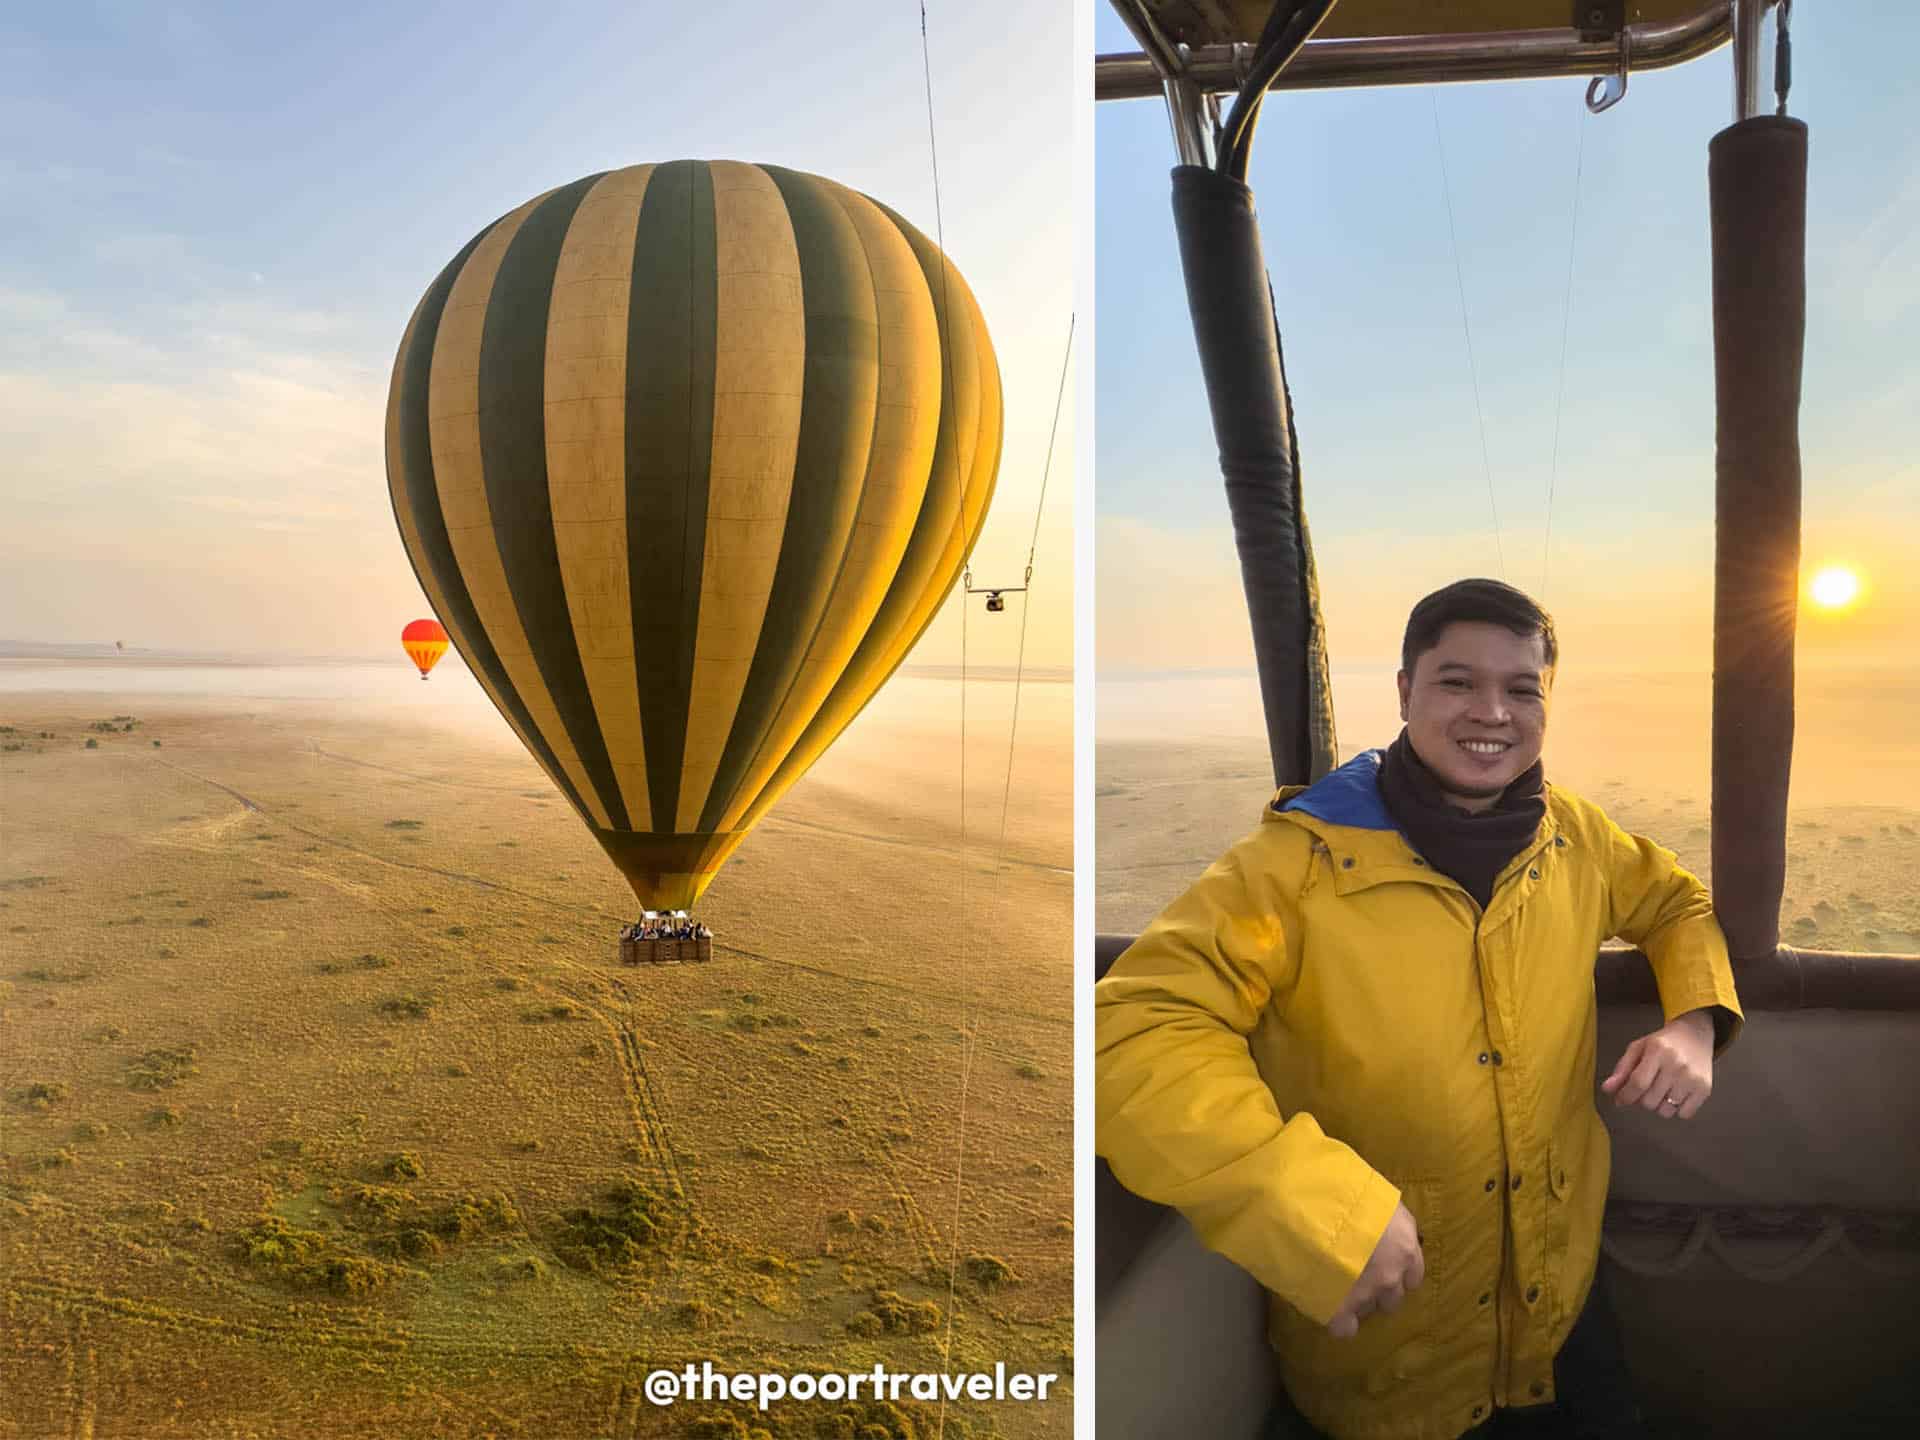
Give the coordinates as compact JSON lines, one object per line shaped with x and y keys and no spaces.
{"x":1349,"y":185}
{"x":218,"y":216}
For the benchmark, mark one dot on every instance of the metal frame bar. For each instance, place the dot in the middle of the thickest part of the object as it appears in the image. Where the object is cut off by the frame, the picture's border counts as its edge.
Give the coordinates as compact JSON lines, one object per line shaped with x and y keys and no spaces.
{"x":1422,"y":59}
{"x":1190,"y":110}
{"x":1747,"y":37}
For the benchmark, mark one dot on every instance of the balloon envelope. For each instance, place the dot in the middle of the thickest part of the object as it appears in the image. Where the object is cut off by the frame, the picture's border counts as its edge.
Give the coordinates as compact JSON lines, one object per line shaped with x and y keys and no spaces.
{"x":687,"y":456}
{"x":425,"y":642}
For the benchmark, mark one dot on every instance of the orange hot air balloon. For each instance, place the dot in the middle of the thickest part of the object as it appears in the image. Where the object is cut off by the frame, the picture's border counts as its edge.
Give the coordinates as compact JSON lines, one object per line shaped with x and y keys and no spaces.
{"x":425,"y":642}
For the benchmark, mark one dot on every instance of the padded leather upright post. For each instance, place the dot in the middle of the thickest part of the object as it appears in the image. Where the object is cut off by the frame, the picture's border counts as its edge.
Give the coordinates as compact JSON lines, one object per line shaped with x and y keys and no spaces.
{"x":1239,"y":341}
{"x":1757,"y":175}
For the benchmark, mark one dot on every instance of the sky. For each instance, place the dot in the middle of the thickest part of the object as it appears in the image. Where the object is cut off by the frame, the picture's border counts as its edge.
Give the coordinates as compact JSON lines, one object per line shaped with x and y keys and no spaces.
{"x":1354,"y":197}
{"x":218,"y":217}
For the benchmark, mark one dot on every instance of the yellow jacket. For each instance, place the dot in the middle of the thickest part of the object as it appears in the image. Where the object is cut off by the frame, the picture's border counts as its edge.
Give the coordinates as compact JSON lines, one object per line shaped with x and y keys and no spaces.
{"x":1324,"y":1027}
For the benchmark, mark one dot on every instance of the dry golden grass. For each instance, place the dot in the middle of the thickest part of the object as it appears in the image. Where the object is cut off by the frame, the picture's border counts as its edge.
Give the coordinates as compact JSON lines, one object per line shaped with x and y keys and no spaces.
{"x":1164,"y":812}
{"x":295,"y":986}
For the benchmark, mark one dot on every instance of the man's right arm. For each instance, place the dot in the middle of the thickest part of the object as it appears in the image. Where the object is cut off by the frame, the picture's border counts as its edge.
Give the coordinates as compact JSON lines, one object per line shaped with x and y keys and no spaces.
{"x":1181,"y":1112}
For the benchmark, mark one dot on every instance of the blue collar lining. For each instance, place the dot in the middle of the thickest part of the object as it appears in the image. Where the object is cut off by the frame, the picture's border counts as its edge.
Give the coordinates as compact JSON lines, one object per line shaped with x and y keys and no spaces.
{"x":1348,"y":796}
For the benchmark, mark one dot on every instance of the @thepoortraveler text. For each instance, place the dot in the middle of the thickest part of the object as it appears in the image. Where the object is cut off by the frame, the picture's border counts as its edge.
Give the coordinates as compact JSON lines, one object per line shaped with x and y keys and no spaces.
{"x":703,"y":1382}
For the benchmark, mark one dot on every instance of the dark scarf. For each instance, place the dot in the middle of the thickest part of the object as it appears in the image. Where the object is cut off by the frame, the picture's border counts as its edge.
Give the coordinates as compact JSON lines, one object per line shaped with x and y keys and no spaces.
{"x":1470,"y":848}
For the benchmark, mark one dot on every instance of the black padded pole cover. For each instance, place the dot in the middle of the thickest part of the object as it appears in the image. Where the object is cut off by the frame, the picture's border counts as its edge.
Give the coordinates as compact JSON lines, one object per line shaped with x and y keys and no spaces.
{"x":1239,"y":339}
{"x":1757,"y":176}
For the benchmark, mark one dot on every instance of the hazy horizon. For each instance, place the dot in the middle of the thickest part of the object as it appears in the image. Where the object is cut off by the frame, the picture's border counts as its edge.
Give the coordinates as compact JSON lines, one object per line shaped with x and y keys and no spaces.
{"x":1852,"y":742}
{"x":223,"y":216}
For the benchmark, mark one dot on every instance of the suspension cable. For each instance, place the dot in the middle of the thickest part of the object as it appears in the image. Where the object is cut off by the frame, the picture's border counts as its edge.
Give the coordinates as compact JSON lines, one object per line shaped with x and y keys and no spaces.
{"x":1566,"y":316}
{"x":962,"y":931}
{"x":1026,"y":606}
{"x":1473,"y":370}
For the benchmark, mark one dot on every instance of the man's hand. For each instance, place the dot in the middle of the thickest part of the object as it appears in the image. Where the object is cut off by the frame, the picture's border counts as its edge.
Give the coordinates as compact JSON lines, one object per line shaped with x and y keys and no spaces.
{"x":1670,"y":1071}
{"x":1396,"y":1266}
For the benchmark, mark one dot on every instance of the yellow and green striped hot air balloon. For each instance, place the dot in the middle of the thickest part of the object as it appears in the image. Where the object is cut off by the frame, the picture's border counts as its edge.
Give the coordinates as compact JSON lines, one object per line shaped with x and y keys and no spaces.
{"x":686,"y":457}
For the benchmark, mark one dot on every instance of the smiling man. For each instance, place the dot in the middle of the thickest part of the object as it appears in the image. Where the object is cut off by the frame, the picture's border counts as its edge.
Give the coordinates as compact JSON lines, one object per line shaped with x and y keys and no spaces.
{"x":1359,"y":1055}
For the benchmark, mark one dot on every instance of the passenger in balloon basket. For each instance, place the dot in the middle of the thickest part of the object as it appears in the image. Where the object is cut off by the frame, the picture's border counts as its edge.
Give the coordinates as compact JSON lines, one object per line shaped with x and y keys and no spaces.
{"x":1359,"y":1055}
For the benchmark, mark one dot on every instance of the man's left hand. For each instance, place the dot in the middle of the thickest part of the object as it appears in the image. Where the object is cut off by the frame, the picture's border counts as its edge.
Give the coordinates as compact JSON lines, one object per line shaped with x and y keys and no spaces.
{"x":1669,"y":1072}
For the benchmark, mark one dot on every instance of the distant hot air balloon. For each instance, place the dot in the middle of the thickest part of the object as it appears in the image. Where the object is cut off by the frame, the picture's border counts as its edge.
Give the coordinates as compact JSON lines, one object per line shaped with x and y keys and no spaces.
{"x":425,"y":642}
{"x":687,"y":457}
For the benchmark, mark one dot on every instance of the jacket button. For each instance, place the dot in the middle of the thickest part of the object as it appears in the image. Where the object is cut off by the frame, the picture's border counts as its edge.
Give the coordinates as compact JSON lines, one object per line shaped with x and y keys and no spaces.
{"x":1496,"y":1058}
{"x":1418,"y":861}
{"x":1560,"y":842}
{"x":1533,"y":874}
{"x":1479,"y":1411}
{"x":1490,"y":1186}
{"x":1483,"y":1057}
{"x":1533,"y":1293}
{"x":1347,"y":864}
{"x":1485,"y":1296}
{"x":1536,"y":1389}
{"x":1516,"y":1182}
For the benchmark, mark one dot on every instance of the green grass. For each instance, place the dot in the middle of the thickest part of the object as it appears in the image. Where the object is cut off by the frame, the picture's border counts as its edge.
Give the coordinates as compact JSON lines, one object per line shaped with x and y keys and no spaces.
{"x":989,"y":1272}
{"x":407,"y":1007}
{"x":630,"y":1219}
{"x":163,"y":1068}
{"x":889,"y":1313}
{"x":518,"y":1269}
{"x":308,"y":1259}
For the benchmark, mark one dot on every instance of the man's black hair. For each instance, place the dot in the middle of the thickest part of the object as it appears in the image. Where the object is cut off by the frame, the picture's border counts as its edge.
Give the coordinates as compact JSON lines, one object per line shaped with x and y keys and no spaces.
{"x":1488,"y":602}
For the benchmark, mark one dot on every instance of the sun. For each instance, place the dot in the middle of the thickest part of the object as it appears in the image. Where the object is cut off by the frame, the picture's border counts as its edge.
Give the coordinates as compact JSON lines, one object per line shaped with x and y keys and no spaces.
{"x":1835,"y":587}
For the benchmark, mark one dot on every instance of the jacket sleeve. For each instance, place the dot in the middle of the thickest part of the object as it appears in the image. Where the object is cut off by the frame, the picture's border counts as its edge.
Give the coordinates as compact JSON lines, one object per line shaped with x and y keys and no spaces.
{"x":1182,"y":1113}
{"x":1662,"y":908}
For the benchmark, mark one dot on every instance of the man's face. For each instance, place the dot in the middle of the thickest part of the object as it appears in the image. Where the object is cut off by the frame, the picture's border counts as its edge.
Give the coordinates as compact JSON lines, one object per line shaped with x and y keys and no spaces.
{"x":1476,"y":709}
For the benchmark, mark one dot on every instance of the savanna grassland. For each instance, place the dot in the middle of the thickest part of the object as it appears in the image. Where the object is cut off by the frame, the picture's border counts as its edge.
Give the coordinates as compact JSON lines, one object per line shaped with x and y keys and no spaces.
{"x":326,"y":1111}
{"x":1166,"y":812}
{"x":1637,"y":745}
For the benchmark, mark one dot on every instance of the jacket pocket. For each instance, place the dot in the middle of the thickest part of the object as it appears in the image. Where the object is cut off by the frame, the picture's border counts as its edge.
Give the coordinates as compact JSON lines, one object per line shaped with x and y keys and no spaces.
{"x":1562,"y":1174}
{"x":1422,"y":1199}
{"x":1394,"y":1350}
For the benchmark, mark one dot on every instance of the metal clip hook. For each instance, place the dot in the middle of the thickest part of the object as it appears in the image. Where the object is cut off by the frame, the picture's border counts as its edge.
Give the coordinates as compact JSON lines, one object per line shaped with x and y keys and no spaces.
{"x":1606,"y":91}
{"x":1242,"y":63}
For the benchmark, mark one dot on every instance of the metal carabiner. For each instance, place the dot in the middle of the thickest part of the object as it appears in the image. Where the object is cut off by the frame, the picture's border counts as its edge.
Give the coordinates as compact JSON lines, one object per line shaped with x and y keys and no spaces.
{"x":1606,"y":91}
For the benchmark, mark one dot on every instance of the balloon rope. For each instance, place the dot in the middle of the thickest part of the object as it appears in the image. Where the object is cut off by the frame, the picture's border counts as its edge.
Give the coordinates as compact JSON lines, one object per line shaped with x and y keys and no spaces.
{"x":969,"y":1031}
{"x":1566,"y":316}
{"x":1473,"y":371}
{"x":1026,"y":606}
{"x":1046,"y":470}
{"x":962,"y":931}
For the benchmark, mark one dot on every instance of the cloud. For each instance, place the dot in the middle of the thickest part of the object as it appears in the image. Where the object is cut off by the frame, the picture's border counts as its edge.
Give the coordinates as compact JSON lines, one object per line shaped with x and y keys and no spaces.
{"x":241,"y":416}
{"x":145,"y":250}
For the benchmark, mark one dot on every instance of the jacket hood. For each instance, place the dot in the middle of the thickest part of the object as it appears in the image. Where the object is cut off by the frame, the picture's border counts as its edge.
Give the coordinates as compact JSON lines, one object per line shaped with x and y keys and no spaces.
{"x":1348,"y":796}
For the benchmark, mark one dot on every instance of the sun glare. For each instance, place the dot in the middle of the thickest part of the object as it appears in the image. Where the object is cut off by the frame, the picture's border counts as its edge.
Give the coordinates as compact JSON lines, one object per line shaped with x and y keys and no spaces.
{"x":1835,"y":587}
